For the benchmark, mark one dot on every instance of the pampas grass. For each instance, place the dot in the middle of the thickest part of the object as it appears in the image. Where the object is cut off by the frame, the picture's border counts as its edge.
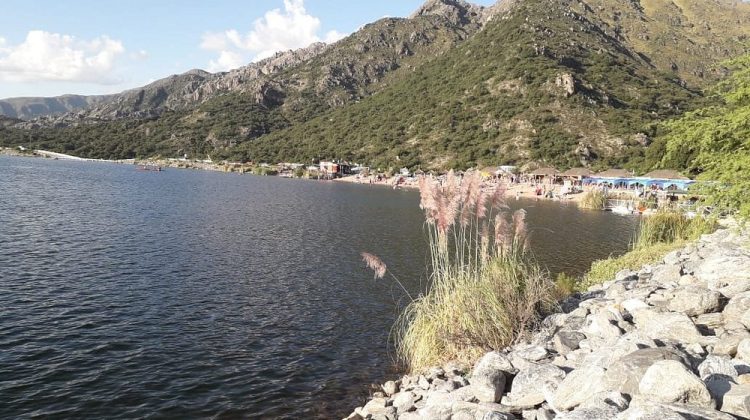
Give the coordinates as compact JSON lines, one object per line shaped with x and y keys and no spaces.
{"x":485,"y":290}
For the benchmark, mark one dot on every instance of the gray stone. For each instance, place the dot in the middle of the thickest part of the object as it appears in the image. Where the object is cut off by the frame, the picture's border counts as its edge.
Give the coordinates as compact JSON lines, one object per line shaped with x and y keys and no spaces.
{"x":600,"y":325}
{"x":532,"y":353}
{"x":715,"y":364}
{"x":650,"y":410}
{"x":488,"y":377}
{"x":669,"y":381}
{"x":736,"y":307}
{"x":566,"y":341}
{"x":423,"y":383}
{"x":666,"y":274}
{"x":544,"y":414}
{"x":720,"y":269}
{"x":404,"y":401}
{"x":729,"y":341}
{"x":625,"y":374}
{"x":737,"y":401}
{"x":473,"y":411}
{"x":578,"y":386}
{"x":390,"y":388}
{"x":694,"y":300}
{"x":647,"y":410}
{"x":743,"y":349}
{"x":666,"y":326}
{"x":528,"y":387}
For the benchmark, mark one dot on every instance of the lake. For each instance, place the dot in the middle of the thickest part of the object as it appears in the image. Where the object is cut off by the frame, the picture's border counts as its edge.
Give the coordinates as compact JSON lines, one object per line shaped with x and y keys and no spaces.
{"x":190,"y":294}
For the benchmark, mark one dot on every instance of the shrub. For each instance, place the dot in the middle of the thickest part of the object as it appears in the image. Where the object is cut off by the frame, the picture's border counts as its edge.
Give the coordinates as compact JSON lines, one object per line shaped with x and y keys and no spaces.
{"x":485,"y":289}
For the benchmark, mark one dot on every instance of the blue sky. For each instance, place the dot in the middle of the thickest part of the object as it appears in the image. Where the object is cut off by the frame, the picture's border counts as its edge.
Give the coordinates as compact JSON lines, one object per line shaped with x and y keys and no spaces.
{"x":53,"y":47}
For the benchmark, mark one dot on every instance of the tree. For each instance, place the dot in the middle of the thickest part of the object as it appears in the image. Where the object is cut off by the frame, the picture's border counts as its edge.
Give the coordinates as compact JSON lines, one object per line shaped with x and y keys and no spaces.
{"x":714,"y":142}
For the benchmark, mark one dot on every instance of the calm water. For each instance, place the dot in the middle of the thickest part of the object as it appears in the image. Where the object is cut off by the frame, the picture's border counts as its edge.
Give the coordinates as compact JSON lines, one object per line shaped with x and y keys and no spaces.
{"x":187,"y":294}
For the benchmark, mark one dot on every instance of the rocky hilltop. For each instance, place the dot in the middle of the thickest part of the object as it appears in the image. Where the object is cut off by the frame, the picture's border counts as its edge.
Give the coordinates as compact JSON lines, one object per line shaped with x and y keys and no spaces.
{"x":671,"y":341}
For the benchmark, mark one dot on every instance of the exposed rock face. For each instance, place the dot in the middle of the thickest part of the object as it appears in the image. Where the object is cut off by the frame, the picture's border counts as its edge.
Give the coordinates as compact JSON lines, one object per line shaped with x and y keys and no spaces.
{"x":458,"y":12}
{"x":567,"y":83}
{"x":617,"y":352}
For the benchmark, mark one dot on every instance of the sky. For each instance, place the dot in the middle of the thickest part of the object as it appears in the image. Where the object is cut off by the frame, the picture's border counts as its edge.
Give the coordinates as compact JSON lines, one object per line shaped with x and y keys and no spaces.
{"x":90,"y":47}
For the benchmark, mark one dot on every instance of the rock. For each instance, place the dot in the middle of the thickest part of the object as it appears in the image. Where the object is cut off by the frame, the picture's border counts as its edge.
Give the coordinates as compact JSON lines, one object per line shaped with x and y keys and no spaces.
{"x":729,"y":341}
{"x":566,"y":341}
{"x":721,"y":269}
{"x":666,"y":326}
{"x":743,"y":349}
{"x":390,"y":388}
{"x":626,"y":373}
{"x":527,"y":388}
{"x":544,"y":414}
{"x":693,"y":300}
{"x":631,"y":305}
{"x":423,"y":383}
{"x":743,"y":379}
{"x":736,"y":307}
{"x":717,"y":365}
{"x":410,"y":416}
{"x":354,"y":416}
{"x":404,"y":401}
{"x":567,"y":82}
{"x":668,"y":381}
{"x":532,"y":353}
{"x":604,"y":405}
{"x":667,"y":274}
{"x":600,"y":325}
{"x":488,"y":377}
{"x":578,"y":386}
{"x":472,"y":411}
{"x":649,"y":410}
{"x":737,"y":401}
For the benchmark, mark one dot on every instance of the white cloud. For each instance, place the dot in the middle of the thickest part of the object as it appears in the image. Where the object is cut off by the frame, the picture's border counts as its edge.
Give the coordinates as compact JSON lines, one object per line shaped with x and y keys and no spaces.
{"x":278,"y":30}
{"x":140,"y":55}
{"x":45,"y":56}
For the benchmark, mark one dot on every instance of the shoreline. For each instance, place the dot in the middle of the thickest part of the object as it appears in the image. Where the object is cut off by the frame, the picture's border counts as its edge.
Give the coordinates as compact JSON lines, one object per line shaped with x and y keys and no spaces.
{"x":521,"y":191}
{"x":669,"y":340}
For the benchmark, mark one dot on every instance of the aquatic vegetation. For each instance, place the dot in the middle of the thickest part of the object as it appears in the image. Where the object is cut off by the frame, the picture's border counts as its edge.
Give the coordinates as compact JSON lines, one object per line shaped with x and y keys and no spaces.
{"x":485,"y":289}
{"x":671,"y":226}
{"x":594,"y":200}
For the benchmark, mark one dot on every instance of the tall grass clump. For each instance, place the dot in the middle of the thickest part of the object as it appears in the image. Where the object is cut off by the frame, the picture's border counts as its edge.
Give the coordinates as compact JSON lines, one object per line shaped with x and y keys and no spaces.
{"x":666,"y":227}
{"x":594,"y":200}
{"x":658,"y":235}
{"x":485,"y":290}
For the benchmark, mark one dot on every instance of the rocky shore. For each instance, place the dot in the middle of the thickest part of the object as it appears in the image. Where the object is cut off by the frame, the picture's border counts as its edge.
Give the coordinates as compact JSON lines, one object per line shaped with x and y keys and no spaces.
{"x":670,"y":341}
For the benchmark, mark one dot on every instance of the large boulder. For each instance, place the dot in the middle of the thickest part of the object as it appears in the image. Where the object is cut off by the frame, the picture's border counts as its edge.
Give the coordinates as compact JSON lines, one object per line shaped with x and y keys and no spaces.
{"x":694,"y":300}
{"x":736,"y":307}
{"x":669,"y":381}
{"x":578,"y":386}
{"x":671,"y":326}
{"x":625,"y":374}
{"x":716,"y":364}
{"x":736,"y":400}
{"x":530,"y":385}
{"x":565,"y":341}
{"x":488,"y":377}
{"x":604,"y":405}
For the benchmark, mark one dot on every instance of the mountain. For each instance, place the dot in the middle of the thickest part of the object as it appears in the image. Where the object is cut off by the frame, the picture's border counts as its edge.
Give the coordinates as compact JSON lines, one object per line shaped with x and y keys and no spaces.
{"x":567,"y":82}
{"x":29,"y":108}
